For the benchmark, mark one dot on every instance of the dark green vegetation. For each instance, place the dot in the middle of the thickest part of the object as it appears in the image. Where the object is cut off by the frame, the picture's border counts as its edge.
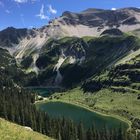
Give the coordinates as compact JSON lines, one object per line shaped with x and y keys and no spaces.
{"x":92,"y":56}
{"x":123,"y":77}
{"x":77,"y":114}
{"x":26,"y":62}
{"x":9,"y":68}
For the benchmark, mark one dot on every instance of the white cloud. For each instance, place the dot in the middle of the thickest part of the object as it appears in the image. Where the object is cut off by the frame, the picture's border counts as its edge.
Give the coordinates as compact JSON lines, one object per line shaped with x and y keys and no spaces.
{"x":42,"y":13}
{"x":7,"y":11}
{"x":52,"y":10}
{"x":1,"y":4}
{"x":33,"y":1}
{"x":113,"y":9}
{"x":21,"y":1}
{"x":24,"y":1}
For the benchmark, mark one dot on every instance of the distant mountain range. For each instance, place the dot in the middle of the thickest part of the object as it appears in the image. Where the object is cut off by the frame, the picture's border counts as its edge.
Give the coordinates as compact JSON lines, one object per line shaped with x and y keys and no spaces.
{"x":91,"y":22}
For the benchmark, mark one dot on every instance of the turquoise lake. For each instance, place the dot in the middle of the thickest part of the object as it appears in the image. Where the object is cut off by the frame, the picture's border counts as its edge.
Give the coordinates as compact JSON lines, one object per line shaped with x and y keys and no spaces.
{"x":77,"y":114}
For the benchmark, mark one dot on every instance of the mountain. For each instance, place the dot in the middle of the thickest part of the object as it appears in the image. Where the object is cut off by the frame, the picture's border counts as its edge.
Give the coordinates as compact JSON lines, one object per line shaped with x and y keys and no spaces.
{"x":11,"y":36}
{"x":91,"y":22}
{"x":50,"y":54}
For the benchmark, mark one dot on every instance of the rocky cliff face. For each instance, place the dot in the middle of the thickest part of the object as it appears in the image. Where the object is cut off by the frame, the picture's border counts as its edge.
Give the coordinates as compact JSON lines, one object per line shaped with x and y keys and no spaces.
{"x":92,"y":22}
{"x":102,"y":18}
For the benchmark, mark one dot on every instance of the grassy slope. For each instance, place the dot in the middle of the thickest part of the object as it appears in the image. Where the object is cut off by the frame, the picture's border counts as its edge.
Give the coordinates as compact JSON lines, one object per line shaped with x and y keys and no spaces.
{"x":105,"y":101}
{"x":10,"y":131}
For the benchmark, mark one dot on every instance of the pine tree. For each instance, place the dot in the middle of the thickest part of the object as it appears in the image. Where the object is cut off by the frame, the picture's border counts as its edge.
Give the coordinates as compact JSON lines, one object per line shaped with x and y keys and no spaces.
{"x":81,"y":132}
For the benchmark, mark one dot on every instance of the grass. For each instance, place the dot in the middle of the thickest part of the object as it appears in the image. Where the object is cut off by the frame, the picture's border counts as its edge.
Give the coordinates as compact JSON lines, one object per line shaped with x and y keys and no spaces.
{"x":130,"y":56}
{"x":11,"y":131}
{"x":116,"y":104}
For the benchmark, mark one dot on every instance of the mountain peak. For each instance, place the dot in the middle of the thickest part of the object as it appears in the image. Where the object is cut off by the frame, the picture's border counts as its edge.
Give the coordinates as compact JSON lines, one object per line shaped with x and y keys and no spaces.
{"x":131,"y":8}
{"x":92,"y":10}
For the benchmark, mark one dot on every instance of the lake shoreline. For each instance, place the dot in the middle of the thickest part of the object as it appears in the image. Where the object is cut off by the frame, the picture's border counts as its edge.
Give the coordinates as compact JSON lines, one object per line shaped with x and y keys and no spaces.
{"x":89,"y":109}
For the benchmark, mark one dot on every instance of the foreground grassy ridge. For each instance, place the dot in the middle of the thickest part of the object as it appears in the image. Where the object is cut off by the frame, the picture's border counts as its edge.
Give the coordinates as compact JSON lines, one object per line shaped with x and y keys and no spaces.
{"x":10,"y":131}
{"x":122,"y":106}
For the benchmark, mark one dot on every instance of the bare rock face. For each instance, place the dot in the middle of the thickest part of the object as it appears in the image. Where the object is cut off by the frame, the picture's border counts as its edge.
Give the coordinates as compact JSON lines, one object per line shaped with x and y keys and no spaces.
{"x":99,"y":17}
{"x":92,"y":22}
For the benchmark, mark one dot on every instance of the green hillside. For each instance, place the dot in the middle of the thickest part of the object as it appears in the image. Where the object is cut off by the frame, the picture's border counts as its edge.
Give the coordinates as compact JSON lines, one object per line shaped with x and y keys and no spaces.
{"x":124,"y":77}
{"x":11,"y":131}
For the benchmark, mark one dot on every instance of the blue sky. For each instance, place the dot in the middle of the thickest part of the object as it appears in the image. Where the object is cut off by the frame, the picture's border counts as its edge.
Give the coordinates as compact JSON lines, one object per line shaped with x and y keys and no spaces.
{"x":35,"y":13}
